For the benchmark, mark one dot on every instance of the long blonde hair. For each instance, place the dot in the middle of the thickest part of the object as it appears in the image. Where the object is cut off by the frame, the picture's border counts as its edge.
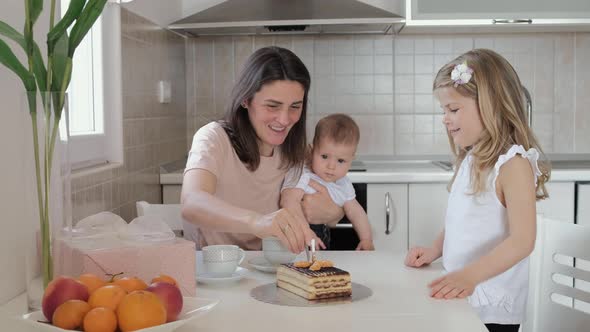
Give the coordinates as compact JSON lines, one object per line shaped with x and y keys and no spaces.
{"x":502,"y":104}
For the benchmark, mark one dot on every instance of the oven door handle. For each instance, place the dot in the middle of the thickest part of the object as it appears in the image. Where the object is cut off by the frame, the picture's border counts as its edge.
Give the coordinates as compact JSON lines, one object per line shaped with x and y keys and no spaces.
{"x":387,"y":213}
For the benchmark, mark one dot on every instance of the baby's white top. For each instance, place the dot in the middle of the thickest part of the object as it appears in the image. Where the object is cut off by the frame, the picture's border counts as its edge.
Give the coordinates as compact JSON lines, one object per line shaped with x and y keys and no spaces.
{"x":340,"y":191}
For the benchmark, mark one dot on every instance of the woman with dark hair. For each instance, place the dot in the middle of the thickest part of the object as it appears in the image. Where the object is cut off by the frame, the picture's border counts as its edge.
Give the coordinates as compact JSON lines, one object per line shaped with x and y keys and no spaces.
{"x":235,"y":168}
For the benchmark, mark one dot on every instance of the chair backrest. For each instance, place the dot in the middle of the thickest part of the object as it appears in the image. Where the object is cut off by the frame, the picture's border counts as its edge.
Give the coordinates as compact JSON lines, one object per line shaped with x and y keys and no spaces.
{"x":559,"y":239}
{"x":169,"y":213}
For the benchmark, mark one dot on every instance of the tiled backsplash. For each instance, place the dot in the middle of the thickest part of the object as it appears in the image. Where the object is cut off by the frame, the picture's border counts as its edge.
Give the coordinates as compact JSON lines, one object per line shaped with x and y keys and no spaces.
{"x":153,"y":133}
{"x":385,"y":82}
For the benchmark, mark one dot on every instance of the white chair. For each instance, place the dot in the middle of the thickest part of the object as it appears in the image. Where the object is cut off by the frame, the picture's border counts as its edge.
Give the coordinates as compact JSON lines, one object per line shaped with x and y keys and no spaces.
{"x":555,"y":240}
{"x":169,"y":213}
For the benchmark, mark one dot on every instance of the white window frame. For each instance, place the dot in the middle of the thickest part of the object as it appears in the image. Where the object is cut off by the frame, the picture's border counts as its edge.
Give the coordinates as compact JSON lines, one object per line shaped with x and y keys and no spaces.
{"x":106,"y":145}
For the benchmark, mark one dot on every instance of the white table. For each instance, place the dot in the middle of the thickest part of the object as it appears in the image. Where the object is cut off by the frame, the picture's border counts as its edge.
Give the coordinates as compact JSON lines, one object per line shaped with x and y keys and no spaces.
{"x":400,"y":302}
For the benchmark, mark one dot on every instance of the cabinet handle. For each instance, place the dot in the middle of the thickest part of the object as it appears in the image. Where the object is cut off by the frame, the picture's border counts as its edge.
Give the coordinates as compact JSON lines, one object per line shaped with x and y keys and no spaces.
{"x":512,"y":21}
{"x":343,"y":226}
{"x":387,"y":213}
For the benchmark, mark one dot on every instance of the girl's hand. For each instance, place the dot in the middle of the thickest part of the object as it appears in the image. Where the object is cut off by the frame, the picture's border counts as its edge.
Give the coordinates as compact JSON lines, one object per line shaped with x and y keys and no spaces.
{"x":365,"y":245}
{"x":288,"y":228}
{"x":319,"y":208}
{"x":419,"y":256}
{"x":458,"y":284}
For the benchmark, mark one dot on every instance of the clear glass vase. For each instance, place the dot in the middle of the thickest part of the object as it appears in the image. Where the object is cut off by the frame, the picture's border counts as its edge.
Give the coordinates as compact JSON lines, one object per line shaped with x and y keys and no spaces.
{"x":48,"y":198}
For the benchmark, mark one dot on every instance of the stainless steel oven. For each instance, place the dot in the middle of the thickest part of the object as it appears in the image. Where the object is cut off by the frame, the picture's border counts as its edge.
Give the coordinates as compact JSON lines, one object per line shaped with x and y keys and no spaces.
{"x":343,"y":236}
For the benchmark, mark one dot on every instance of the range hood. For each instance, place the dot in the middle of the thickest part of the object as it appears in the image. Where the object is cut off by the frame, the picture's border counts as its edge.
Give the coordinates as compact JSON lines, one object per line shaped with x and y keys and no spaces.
{"x":247,"y":17}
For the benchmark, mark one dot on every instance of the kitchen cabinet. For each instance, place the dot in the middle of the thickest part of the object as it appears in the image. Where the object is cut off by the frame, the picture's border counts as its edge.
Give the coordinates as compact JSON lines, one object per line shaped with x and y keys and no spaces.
{"x":426,"y":212}
{"x":583,"y":218}
{"x":499,"y":9}
{"x":583,"y":204}
{"x":494,"y":16}
{"x":387,"y":209}
{"x":561,"y":202}
{"x":171,"y":194}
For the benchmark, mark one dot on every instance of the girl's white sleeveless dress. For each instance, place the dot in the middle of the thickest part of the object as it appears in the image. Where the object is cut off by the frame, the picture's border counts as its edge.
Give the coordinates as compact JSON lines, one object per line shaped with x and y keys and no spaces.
{"x":474,"y":225}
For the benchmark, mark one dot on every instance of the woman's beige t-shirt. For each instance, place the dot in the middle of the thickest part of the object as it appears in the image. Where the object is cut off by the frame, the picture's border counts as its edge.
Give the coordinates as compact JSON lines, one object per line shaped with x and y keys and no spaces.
{"x":257,"y":191}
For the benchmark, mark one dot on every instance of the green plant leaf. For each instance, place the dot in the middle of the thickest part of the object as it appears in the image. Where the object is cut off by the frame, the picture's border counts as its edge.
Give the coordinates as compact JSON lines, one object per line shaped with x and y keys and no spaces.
{"x":39,"y":69}
{"x":89,"y":14}
{"x":11,"y":33}
{"x":62,"y":74}
{"x":8,"y":59}
{"x":60,"y":59}
{"x":38,"y":64}
{"x":73,"y":12}
{"x":59,"y":96}
{"x":35,"y":7}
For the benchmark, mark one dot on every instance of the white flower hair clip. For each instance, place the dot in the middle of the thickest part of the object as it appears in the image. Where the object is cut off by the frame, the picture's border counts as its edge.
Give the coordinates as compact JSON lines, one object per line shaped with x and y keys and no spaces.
{"x":461,"y":74}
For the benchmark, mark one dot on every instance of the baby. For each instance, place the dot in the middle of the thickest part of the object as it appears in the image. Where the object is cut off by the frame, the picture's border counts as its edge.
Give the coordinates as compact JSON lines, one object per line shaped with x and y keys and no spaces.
{"x":334,"y":146}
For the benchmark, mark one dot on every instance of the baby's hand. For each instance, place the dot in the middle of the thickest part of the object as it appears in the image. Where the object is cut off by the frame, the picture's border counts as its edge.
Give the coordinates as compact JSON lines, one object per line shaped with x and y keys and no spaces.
{"x":418,"y":256}
{"x":458,"y":284}
{"x":365,"y":245}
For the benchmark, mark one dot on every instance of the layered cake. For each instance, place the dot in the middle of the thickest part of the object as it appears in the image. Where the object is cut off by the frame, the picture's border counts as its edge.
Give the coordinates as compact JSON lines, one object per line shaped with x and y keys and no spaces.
{"x":316,"y":282}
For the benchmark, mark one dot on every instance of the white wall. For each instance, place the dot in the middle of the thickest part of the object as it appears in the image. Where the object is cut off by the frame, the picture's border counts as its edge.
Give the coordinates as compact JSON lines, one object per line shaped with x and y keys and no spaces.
{"x":160,"y":12}
{"x":163,"y":13}
{"x":13,"y":128}
{"x":395,"y":6}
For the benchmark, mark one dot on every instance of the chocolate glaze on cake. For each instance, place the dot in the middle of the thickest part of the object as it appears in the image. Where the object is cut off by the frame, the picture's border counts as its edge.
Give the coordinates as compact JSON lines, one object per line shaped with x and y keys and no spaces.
{"x":324,"y":272}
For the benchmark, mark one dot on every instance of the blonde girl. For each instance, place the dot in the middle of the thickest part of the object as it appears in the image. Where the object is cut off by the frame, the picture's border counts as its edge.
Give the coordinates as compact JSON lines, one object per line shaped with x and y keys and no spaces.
{"x":490,"y":224}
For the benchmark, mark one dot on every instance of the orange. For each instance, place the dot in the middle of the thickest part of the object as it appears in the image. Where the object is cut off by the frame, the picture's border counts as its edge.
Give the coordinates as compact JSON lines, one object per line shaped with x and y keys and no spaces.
{"x":130,"y":284}
{"x":164,"y":278}
{"x":108,"y":296}
{"x":100,"y":320}
{"x":69,"y":315}
{"x":91,"y":282}
{"x":140,"y":309}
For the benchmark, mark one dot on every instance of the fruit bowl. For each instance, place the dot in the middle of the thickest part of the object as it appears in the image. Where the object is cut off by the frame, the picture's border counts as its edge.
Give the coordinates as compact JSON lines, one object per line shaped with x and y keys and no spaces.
{"x":192,"y":308}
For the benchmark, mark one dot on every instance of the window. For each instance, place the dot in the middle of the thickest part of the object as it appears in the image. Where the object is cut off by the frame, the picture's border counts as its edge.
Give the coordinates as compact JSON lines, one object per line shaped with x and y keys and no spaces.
{"x":95,"y":106}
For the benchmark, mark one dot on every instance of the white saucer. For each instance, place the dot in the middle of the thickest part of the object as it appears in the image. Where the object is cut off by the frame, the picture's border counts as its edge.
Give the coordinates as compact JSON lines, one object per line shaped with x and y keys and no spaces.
{"x":261,"y":264}
{"x":206,"y":278}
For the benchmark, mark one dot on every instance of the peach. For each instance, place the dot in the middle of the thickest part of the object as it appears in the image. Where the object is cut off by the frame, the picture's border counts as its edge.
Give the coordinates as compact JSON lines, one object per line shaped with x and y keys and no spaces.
{"x":169,"y":295}
{"x":60,"y":290}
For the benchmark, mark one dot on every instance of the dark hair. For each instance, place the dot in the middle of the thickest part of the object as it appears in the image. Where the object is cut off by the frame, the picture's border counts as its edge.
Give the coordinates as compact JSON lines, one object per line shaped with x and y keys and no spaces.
{"x":264,"y":66}
{"x":338,"y":127}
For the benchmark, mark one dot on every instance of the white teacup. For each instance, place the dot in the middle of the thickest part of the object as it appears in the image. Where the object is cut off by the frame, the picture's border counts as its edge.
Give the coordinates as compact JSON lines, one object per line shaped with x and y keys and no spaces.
{"x":222,"y":260}
{"x":275,"y":252}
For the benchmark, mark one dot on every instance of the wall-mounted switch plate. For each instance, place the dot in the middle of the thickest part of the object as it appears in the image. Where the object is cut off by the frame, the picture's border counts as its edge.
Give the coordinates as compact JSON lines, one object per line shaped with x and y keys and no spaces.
{"x":164,"y":92}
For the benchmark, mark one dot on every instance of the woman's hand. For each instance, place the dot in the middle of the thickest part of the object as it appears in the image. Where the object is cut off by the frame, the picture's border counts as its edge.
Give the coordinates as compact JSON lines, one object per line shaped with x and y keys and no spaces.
{"x":365,"y":245}
{"x":418,"y":256}
{"x":319,"y":208}
{"x":458,"y":284}
{"x":292,"y":230}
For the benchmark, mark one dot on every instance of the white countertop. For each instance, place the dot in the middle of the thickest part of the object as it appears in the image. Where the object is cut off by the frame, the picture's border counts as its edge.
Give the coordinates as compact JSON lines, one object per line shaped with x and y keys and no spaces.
{"x":400,"y":302}
{"x":411,"y":172}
